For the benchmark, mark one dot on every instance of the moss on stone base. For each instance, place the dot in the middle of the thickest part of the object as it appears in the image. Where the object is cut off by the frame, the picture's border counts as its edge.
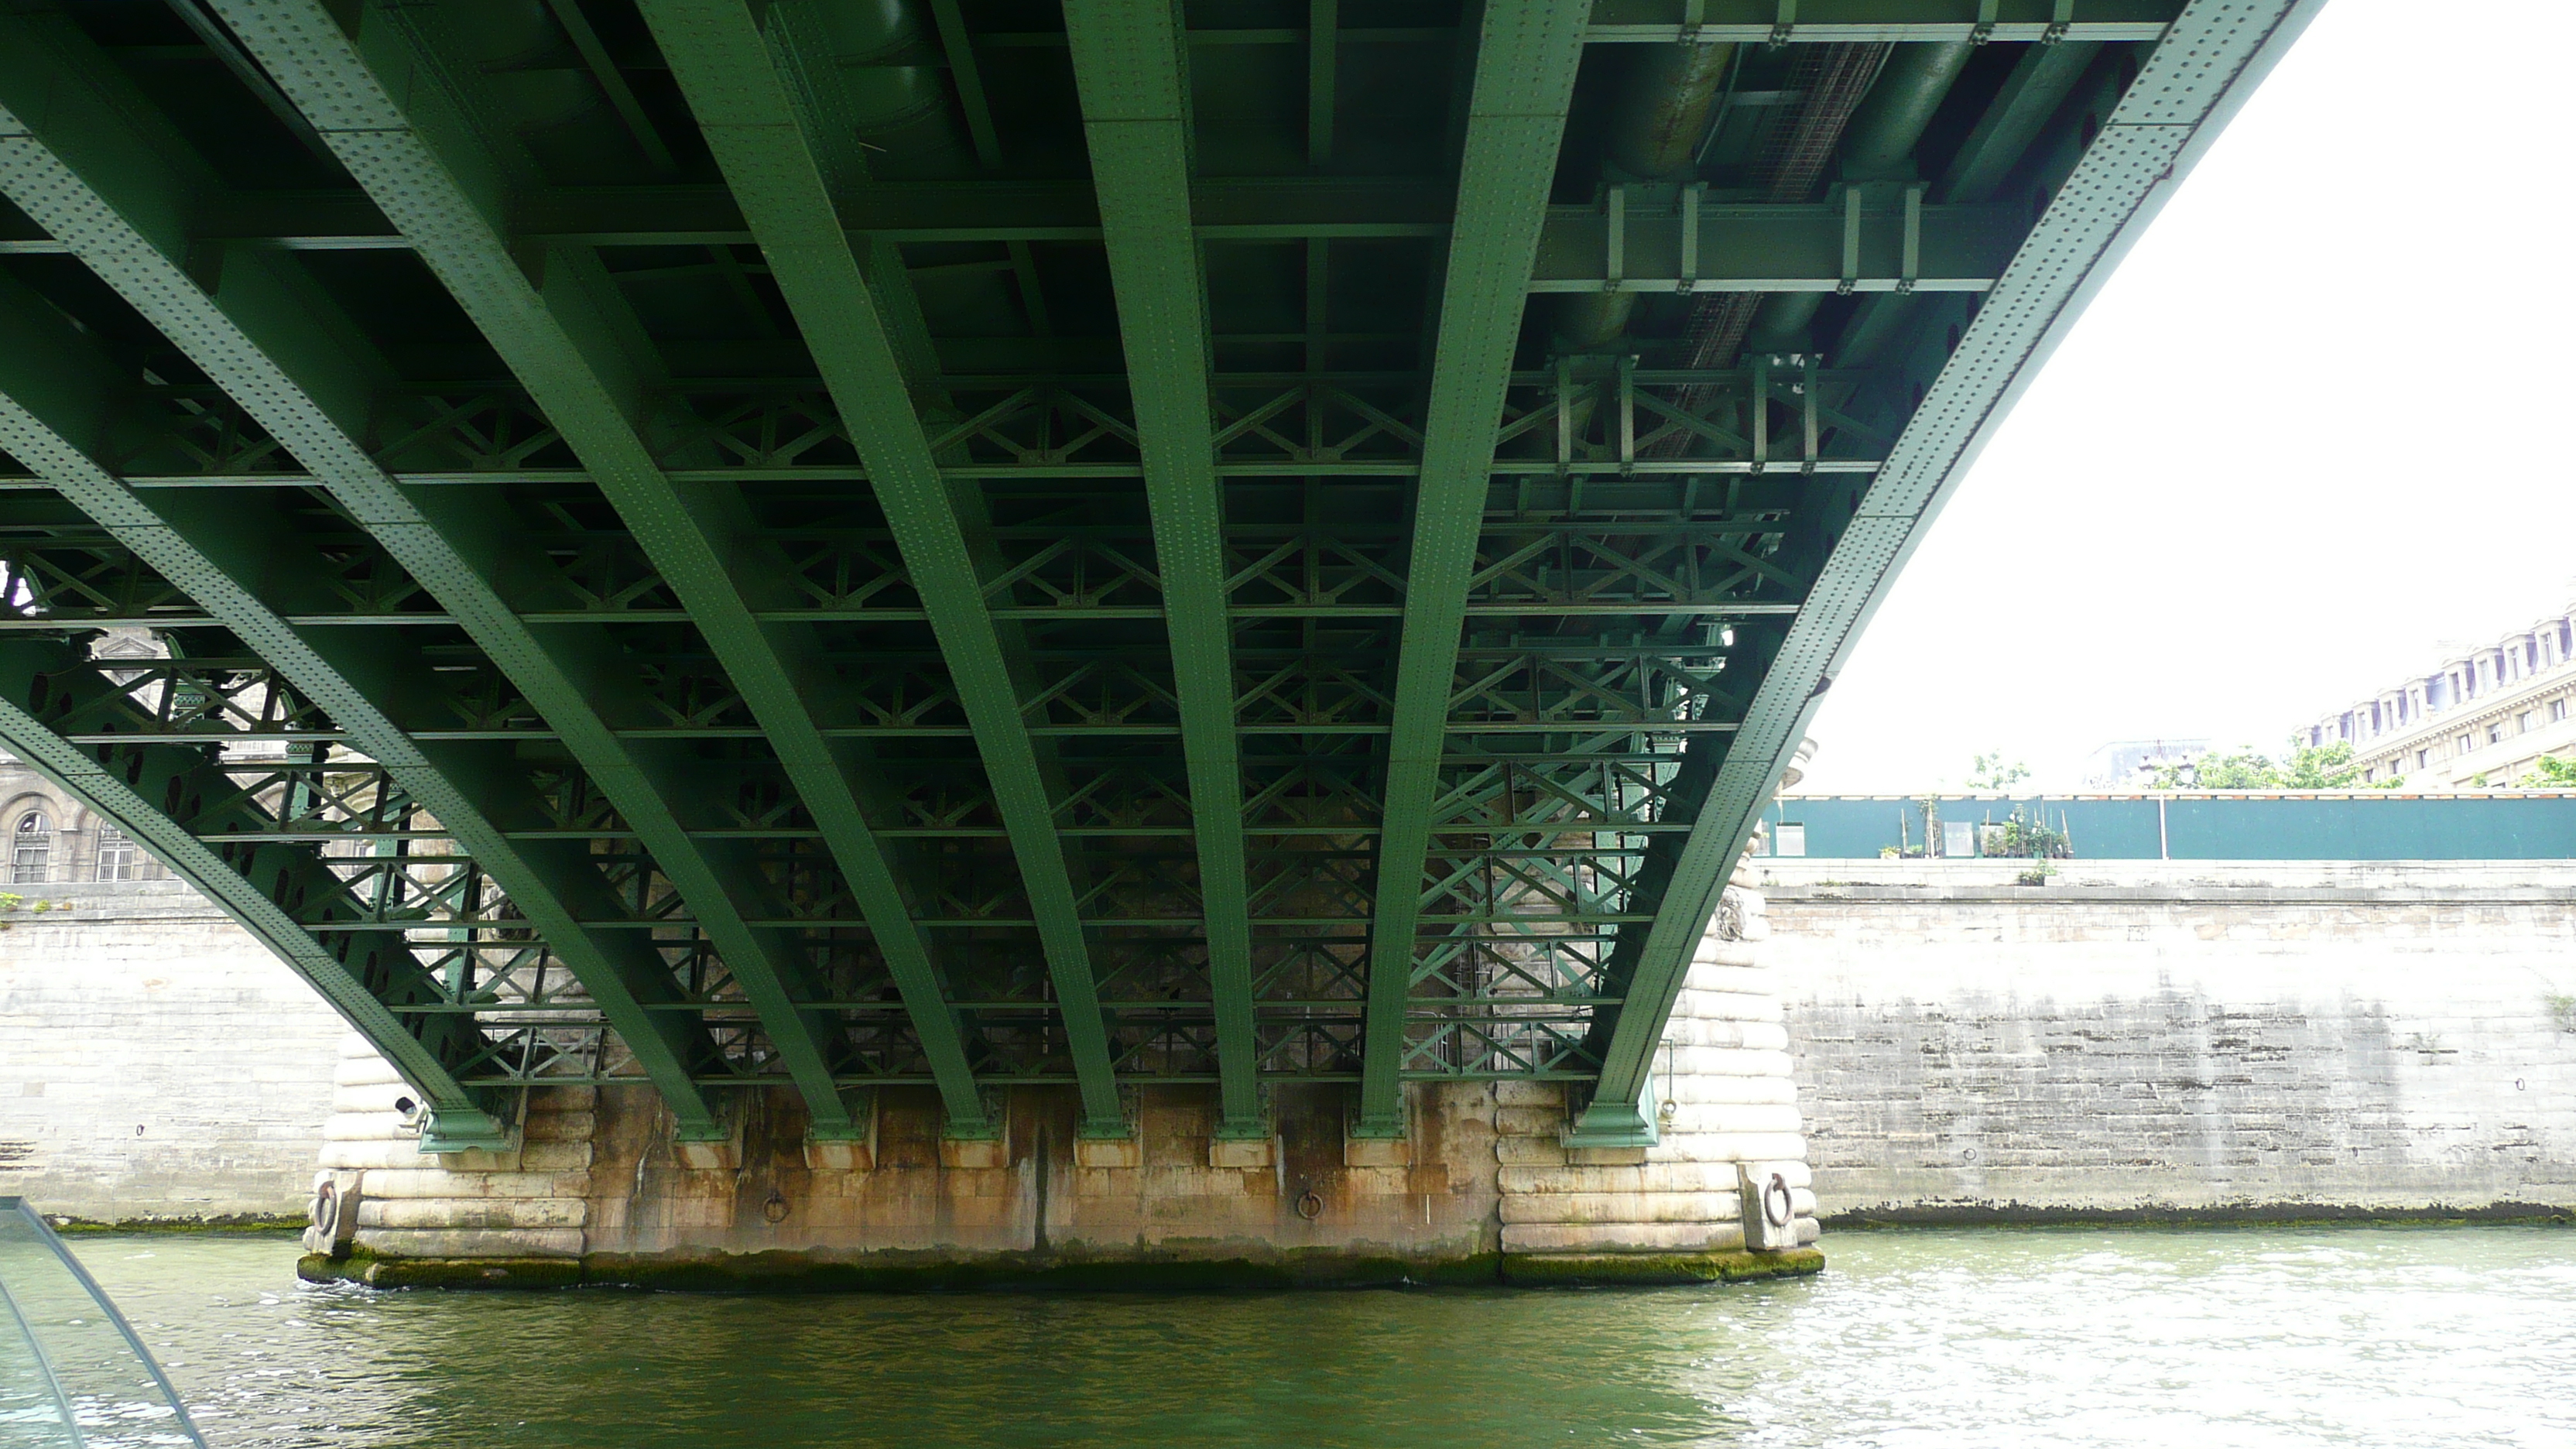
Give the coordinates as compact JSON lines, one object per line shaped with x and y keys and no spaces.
{"x":1056,"y":1272}
{"x":2222,"y":1215}
{"x":379,"y":1272}
{"x":1585,"y":1270}
{"x":247,"y":1224}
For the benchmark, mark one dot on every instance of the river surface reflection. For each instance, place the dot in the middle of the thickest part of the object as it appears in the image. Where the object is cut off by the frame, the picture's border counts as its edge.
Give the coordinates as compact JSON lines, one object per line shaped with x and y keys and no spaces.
{"x":2398,"y":1336}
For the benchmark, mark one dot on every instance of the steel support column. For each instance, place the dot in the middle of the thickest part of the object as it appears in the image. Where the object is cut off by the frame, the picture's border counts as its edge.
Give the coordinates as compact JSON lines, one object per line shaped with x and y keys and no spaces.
{"x":747,"y":107}
{"x":1524,"y":79}
{"x":1131,"y":68}
{"x":443,"y":184}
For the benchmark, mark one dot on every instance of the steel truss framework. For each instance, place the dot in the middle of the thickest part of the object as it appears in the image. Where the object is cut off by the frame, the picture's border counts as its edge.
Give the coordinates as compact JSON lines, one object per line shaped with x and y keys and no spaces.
{"x":675,"y":567}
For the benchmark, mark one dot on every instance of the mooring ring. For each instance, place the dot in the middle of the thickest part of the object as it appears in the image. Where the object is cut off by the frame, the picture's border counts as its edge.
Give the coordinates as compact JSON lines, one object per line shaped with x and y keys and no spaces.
{"x":1779,"y":1209}
{"x":1309,"y":1206}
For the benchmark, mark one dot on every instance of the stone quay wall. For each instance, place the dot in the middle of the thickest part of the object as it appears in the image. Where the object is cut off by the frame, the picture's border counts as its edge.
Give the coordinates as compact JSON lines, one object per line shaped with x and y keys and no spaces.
{"x":2181,"y":1038}
{"x":156,"y":1063}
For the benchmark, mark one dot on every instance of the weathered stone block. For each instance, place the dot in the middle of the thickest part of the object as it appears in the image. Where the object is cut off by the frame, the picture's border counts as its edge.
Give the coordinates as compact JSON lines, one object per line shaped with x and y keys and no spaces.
{"x":1108,"y":1152}
{"x":838,"y":1155}
{"x":1542,"y":1121}
{"x":973,"y":1153}
{"x":1377,"y":1151}
{"x":1644,"y":1177}
{"x":1620,"y":1237}
{"x":1242,"y":1152}
{"x":568,"y":1155}
{"x":473,"y":1242}
{"x":1621,"y":1207}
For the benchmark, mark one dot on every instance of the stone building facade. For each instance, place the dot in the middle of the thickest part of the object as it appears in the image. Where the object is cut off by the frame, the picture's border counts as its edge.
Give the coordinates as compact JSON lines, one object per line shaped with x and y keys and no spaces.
{"x":2481,"y":719}
{"x":56,"y":840}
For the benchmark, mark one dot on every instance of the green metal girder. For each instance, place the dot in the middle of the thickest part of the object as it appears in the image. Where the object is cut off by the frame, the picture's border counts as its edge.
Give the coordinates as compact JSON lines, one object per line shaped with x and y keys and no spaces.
{"x":1524,"y":80}
{"x":1827,"y":22}
{"x":55,"y":394}
{"x":571,"y":345}
{"x":750,"y":110}
{"x":1132,"y":71}
{"x":101,"y":179}
{"x":119,"y":782}
{"x":2204,"y":69}
{"x":1756,"y":248}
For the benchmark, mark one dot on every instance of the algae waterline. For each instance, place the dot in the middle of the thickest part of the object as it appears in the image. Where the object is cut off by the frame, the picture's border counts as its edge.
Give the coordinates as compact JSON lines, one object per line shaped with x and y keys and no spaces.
{"x":898,"y":1272}
{"x":2415,"y":1336}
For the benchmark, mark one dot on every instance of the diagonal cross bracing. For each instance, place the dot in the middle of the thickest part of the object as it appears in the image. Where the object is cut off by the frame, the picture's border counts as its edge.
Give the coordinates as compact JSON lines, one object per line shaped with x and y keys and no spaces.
{"x":1130,"y":65}
{"x":746,"y":106}
{"x":118,"y":782}
{"x":1526,"y":58}
{"x":100,"y":179}
{"x":56,"y":393}
{"x":443,"y":183}
{"x":2207,"y":64}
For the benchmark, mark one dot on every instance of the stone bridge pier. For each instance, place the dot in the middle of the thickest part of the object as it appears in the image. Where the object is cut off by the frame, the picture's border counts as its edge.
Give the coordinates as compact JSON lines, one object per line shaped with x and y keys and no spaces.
{"x":1479,"y":1190}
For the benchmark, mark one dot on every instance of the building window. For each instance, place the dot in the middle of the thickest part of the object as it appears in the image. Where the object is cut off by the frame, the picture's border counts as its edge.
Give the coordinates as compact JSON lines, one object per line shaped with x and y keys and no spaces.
{"x":2468,"y":743}
{"x":1793,"y":839}
{"x":33,"y":858}
{"x":2558,"y":709}
{"x":117,"y":857}
{"x":2423,"y":758}
{"x":2495,"y":734}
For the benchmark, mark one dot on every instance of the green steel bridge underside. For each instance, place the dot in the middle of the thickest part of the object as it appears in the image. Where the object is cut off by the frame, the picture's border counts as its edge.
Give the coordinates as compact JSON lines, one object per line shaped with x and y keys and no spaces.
{"x":832,"y":544}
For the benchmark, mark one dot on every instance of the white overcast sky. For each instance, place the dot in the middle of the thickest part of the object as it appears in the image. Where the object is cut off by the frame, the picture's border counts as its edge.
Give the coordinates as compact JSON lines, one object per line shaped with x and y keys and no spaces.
{"x":2310,"y":430}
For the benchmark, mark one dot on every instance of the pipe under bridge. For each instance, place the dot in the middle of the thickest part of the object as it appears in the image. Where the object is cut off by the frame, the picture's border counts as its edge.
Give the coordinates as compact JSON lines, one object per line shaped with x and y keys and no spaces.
{"x":972,"y":545}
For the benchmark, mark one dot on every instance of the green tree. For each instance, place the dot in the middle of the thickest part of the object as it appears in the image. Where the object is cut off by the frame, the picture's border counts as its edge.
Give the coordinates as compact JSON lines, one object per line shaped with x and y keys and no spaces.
{"x":1989,"y":772}
{"x":2327,"y":767}
{"x":2309,"y":767}
{"x":2549,"y":772}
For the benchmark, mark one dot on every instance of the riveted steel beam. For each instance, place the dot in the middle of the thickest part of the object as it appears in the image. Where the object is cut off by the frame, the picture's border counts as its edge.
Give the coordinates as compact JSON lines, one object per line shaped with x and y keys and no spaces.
{"x":1832,"y":22}
{"x":105,"y":177}
{"x":364,"y":976}
{"x":1233,"y":209}
{"x":1877,"y":244}
{"x":1130,"y":66}
{"x":1524,"y":79}
{"x":749,"y":105}
{"x":2212,"y":59}
{"x":568,"y":341}
{"x":56,"y":393}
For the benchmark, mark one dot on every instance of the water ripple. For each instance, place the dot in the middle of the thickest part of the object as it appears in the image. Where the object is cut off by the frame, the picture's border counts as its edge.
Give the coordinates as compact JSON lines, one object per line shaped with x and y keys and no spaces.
{"x":2404,"y":1337}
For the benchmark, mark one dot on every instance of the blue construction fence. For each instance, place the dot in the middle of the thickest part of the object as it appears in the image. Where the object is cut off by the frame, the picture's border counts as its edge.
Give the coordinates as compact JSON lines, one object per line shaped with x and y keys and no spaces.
{"x":2192,"y":825}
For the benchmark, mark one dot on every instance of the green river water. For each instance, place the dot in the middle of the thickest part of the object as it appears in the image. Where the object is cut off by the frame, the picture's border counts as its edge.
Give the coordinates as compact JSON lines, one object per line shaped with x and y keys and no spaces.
{"x":2399,"y":1336}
